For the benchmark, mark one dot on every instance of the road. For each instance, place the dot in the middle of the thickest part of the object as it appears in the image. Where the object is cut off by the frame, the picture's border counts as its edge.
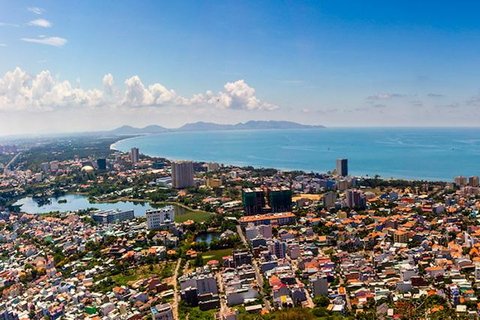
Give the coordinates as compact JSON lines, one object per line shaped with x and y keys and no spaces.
{"x":175,"y":289}
{"x":12,"y":161}
{"x":258,"y":275}
{"x":309,"y":303}
{"x":221,"y":290}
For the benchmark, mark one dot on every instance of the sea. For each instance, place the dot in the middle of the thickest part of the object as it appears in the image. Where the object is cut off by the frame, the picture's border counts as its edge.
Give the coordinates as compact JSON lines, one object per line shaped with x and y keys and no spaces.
{"x":434,"y":154}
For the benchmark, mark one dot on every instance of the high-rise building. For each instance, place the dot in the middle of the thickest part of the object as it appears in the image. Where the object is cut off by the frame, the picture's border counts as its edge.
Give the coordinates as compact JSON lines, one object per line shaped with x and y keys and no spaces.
{"x":460,"y":181}
{"x":158,"y":218}
{"x":329,"y":199}
{"x":135,"y":155}
{"x":280,"y":199}
{"x":342,"y":167}
{"x":182,"y":174}
{"x":253,"y":200}
{"x":355,"y":198}
{"x":473,"y":181}
{"x":278,"y":248}
{"x":102,"y":164}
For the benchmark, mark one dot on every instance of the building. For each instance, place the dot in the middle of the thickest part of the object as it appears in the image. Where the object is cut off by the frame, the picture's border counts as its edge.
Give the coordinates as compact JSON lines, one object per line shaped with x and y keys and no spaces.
{"x":162,"y":312}
{"x":477,"y":271}
{"x":278,"y":219}
{"x":277,"y":248}
{"x":342,"y":167}
{"x":199,"y":289}
{"x":460,"y":181}
{"x":253,"y":200}
{"x":54,"y":165}
{"x":45,"y":166}
{"x":213,"y":183}
{"x":355,"y":199}
{"x":135,"y":155}
{"x":242,"y":257}
{"x":182,"y":174}
{"x":329,"y":199}
{"x":102,"y":164}
{"x":319,"y":285}
{"x":400,"y":236}
{"x":473,"y":181}
{"x":159,"y":218}
{"x":212,"y":166}
{"x":280,"y":199}
{"x":112,"y":216}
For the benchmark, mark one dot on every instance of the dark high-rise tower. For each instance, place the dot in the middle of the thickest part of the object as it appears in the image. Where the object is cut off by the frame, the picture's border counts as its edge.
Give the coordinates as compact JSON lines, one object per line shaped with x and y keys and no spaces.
{"x":342,"y":167}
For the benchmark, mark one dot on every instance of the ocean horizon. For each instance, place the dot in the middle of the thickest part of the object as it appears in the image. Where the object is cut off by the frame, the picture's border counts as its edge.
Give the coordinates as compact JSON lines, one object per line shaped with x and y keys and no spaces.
{"x":413,"y":153}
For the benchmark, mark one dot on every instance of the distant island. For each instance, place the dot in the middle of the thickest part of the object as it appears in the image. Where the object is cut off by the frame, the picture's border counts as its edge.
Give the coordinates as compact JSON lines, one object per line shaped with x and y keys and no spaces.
{"x":210,"y":126}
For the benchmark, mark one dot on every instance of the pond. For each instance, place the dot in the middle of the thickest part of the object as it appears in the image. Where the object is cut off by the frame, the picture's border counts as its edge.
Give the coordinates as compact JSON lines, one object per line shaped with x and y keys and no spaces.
{"x":207,"y":237}
{"x":74,"y":202}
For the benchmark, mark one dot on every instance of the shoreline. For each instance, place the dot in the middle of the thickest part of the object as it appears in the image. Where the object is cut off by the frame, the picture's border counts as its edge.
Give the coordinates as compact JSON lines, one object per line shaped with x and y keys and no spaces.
{"x":240,"y":165}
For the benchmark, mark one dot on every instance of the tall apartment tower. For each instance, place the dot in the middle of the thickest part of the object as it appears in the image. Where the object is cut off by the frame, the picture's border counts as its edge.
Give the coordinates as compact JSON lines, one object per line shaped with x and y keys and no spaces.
{"x":473,"y":181}
{"x":342,"y":167}
{"x":279,"y":199}
{"x":182,"y":174}
{"x":253,"y":200}
{"x":135,"y":155}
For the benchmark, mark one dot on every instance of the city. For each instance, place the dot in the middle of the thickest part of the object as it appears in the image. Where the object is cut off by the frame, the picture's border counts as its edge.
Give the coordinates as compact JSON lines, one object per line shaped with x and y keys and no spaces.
{"x":254,"y":242}
{"x":239,"y":160}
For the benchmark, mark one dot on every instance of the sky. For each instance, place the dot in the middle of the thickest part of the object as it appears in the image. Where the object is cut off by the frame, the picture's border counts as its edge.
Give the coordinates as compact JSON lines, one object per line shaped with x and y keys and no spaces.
{"x":70,"y":66}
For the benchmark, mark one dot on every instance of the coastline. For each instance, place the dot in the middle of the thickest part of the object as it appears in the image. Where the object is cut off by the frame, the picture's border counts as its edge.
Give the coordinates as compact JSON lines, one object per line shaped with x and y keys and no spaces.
{"x":244,"y":164}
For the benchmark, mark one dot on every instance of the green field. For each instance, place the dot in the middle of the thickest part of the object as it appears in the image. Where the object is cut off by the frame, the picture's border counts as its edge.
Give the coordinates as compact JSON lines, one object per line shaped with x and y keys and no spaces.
{"x":197,"y":216}
{"x":162,"y":270}
{"x":216,"y":254}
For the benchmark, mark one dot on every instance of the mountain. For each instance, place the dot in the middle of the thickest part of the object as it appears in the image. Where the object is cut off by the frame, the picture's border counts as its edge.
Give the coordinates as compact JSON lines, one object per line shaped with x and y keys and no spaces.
{"x":210,"y":126}
{"x":128,"y":130}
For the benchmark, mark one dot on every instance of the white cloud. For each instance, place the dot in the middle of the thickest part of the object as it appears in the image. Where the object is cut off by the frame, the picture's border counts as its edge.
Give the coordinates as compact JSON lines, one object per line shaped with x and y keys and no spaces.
{"x":22,"y":91}
{"x":3,"y":45}
{"x":36,"y":10}
{"x":50,"y":41}
{"x":238,"y":95}
{"x":40,"y":23}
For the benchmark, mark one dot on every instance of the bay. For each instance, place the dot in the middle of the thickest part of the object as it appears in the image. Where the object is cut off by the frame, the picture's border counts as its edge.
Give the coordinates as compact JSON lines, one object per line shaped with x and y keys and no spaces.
{"x":408,"y":153}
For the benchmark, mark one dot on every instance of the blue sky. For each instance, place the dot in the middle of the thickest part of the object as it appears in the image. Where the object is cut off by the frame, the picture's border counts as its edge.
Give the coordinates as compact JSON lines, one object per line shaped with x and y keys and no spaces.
{"x":337,"y":63}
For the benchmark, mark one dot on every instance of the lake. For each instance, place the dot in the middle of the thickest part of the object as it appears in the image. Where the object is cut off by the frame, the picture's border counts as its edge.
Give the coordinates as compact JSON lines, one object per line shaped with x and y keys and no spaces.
{"x":409,"y":153}
{"x":207,"y":237}
{"x":76,"y":202}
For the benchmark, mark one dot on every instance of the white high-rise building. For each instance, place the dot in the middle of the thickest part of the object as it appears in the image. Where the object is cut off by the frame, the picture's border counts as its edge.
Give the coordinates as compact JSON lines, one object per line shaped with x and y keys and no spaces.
{"x":160,"y":217}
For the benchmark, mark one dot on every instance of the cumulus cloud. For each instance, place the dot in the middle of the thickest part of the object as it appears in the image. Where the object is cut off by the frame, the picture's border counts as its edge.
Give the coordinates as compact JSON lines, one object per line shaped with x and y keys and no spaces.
{"x":20,"y":91}
{"x":50,"y":41}
{"x":40,"y":23}
{"x":36,"y":10}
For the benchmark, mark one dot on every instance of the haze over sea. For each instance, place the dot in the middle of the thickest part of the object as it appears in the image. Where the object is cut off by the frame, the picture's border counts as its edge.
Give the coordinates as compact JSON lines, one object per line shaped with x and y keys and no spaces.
{"x":408,"y":153}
